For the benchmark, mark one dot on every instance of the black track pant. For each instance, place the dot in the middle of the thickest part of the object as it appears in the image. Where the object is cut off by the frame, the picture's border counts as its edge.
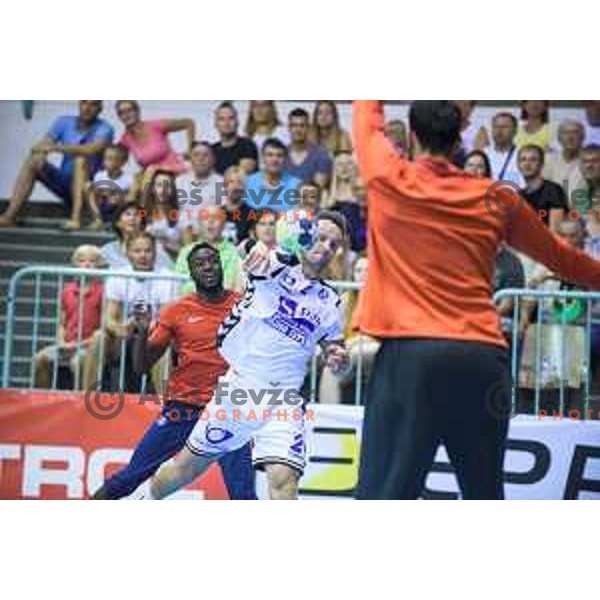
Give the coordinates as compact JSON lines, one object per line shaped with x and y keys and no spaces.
{"x":424,"y":392}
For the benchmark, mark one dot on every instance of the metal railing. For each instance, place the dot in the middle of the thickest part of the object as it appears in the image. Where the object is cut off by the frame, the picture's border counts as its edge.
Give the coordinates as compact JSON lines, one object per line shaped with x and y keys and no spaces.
{"x":48,"y":285}
{"x":554,"y":348}
{"x":39,"y":290}
{"x":545,"y":357}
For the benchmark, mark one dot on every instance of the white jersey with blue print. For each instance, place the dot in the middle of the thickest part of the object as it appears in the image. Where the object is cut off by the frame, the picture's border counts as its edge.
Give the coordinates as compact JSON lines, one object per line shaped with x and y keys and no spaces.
{"x":273,"y":331}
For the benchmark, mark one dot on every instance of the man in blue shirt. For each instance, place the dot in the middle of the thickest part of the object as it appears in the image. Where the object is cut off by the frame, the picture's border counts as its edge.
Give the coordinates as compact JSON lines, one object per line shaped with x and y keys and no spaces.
{"x":273,"y":187}
{"x":306,"y":161}
{"x":81,"y":140}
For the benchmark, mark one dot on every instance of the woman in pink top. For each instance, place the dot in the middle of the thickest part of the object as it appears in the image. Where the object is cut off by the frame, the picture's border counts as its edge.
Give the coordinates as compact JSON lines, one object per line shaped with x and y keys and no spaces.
{"x":148,"y":140}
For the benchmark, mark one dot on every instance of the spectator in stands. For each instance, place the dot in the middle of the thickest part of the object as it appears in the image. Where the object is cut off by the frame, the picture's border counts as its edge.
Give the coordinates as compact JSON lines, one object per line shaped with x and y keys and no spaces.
{"x":122,"y":294}
{"x":80,"y":140}
{"x":326,"y":129}
{"x":201,"y":188}
{"x":355,"y":212}
{"x":553,"y":314}
{"x":74,"y":337}
{"x":473,"y":136}
{"x":564,"y":167}
{"x":232,"y":150}
{"x":273,"y":187}
{"x":396,"y":132}
{"x":502,"y":152}
{"x":593,"y":227}
{"x":342,"y":182}
{"x":148,"y":141}
{"x":263,"y":123}
{"x":542,"y":195}
{"x":128,"y":220}
{"x":478,"y":164}
{"x":590,"y":169}
{"x":104,"y":199}
{"x":310,"y":197}
{"x":535,"y":128}
{"x":331,"y":387}
{"x":214,"y":226}
{"x":592,"y":126}
{"x":306,"y":161}
{"x":263,"y":229}
{"x":509,"y":274}
{"x":237,"y":221}
{"x":164,"y":216}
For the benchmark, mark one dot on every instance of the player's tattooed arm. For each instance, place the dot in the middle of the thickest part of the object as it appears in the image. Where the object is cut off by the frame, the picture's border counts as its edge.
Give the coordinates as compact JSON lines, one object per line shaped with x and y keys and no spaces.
{"x":336,"y":357}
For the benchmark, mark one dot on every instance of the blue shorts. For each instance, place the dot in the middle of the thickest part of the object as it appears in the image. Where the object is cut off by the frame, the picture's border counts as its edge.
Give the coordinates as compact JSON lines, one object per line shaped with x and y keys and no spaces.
{"x":59,"y":182}
{"x":165,"y":438}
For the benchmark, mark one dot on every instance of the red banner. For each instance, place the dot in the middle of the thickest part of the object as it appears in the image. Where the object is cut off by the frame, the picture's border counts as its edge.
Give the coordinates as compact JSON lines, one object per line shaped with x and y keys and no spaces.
{"x":51,"y":447}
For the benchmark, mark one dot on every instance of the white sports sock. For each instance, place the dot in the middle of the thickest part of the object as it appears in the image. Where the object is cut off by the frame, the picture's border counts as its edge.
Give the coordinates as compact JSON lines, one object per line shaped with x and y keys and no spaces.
{"x":147,"y":495}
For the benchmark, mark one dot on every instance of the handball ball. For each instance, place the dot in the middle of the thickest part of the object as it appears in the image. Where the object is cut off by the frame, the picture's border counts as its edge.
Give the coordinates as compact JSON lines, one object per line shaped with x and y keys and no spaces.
{"x":297,"y":232}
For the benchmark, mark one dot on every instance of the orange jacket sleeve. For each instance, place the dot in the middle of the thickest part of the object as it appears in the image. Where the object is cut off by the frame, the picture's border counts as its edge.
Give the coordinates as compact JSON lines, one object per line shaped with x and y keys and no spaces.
{"x":529,"y":235}
{"x":375,"y":153}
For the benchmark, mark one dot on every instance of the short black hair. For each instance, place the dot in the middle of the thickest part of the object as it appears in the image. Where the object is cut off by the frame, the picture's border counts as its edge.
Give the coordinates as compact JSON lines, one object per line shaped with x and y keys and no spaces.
{"x":299,"y":113}
{"x":200,"y":246}
{"x":591,"y":148}
{"x":337,"y":218}
{"x":535,"y":148}
{"x":274,"y":142}
{"x":436,"y":123}
{"x":507,"y":115}
{"x":227,"y":104}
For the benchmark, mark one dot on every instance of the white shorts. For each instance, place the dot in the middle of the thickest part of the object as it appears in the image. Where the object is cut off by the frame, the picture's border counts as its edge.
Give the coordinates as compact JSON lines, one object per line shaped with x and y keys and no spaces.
{"x":278,"y":432}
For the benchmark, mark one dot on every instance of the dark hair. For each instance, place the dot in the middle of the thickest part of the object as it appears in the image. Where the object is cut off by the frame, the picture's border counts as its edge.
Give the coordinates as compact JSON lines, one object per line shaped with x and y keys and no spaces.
{"x":273,"y":142}
{"x":507,"y":115}
{"x":227,"y":104}
{"x":200,"y":246}
{"x":436,"y":124}
{"x":545,"y":114}
{"x":140,"y":235}
{"x":134,"y":103}
{"x":336,"y":218}
{"x":121,"y":208}
{"x":484,"y":157}
{"x":591,"y":148}
{"x":298,"y":113}
{"x":122,"y":150}
{"x":528,"y":147}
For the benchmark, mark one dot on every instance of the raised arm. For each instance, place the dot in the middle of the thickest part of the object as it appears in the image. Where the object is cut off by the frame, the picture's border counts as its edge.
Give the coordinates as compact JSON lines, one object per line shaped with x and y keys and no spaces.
{"x":187,"y":125}
{"x":374,"y":151}
{"x":529,"y":235}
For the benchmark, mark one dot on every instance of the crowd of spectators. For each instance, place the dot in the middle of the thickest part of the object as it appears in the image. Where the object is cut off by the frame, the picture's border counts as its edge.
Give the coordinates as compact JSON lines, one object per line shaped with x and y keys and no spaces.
{"x":222,"y":193}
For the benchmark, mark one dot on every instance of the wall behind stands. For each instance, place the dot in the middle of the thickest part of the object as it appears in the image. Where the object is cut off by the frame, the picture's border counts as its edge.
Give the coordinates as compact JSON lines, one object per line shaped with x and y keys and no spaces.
{"x":17,"y":134}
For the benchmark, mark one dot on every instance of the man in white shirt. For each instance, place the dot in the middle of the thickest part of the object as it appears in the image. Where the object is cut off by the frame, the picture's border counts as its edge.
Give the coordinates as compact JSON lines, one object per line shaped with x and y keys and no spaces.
{"x":564,"y":167}
{"x":503,"y":152}
{"x":202,"y":188}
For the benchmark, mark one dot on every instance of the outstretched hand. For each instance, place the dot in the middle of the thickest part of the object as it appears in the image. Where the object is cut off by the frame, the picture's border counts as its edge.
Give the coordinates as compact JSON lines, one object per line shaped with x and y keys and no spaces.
{"x":258,"y":260}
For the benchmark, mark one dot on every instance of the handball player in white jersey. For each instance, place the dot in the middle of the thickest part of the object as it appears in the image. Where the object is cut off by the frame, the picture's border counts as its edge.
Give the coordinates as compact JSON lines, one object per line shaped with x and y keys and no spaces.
{"x":268,"y":340}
